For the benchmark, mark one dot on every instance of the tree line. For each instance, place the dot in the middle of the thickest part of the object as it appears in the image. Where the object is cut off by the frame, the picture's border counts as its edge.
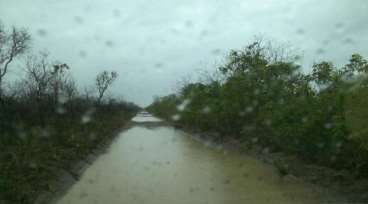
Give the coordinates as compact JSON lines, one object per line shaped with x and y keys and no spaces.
{"x":261,"y":96}
{"x":46,"y":122}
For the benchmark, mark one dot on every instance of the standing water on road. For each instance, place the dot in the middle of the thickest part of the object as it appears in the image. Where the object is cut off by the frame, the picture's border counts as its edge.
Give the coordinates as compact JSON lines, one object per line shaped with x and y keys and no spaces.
{"x":158,"y":164}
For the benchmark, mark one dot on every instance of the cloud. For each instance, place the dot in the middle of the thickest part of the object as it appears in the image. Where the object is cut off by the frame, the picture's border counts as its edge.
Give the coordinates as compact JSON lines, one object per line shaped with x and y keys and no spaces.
{"x":132,"y":37}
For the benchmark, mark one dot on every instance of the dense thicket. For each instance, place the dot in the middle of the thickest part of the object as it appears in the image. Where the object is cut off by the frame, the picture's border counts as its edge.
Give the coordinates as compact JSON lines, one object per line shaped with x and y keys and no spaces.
{"x":264,"y":98}
{"x":46,"y":125}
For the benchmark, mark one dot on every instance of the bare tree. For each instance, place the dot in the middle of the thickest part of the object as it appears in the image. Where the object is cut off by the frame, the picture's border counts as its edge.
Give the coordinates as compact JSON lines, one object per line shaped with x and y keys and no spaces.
{"x":39,"y":75}
{"x":12,"y":44}
{"x":46,"y":78}
{"x":103,"y":82}
{"x":70,"y":88}
{"x":88,"y":93}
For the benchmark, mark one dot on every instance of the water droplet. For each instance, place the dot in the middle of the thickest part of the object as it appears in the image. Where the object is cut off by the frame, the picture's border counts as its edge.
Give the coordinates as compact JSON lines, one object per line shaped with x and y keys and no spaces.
{"x":339,"y":25}
{"x":326,"y":42}
{"x":22,"y":135}
{"x":189,"y":23}
{"x":92,"y":137}
{"x":41,"y":32}
{"x":162,"y":41}
{"x":87,"y":116}
{"x":320,"y":51}
{"x":328,"y":125}
{"x":249,"y":109}
{"x":109,"y":43}
{"x":159,"y":65}
{"x":176,"y":117}
{"x":206,"y":110}
{"x":183,"y":105}
{"x":216,"y":51}
{"x":297,"y":58}
{"x":300,"y":31}
{"x":268,"y":122}
{"x":60,"y":110}
{"x":203,"y":34}
{"x":62,"y":99}
{"x":175,"y":31}
{"x":265,"y":150}
{"x":255,"y":140}
{"x":112,"y":189}
{"x":33,"y":165}
{"x":83,"y":194}
{"x":320,"y":145}
{"x":116,"y":13}
{"x":348,"y":41}
{"x":333,"y":158}
{"x":247,"y":128}
{"x":45,"y":133}
{"x":82,"y":54}
{"x":78,"y":19}
{"x":227,"y":181}
{"x":85,"y":119}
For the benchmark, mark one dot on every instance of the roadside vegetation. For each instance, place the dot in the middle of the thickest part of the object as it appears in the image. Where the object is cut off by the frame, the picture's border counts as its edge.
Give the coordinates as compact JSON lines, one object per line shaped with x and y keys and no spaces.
{"x":46,"y":123}
{"x":260,"y":96}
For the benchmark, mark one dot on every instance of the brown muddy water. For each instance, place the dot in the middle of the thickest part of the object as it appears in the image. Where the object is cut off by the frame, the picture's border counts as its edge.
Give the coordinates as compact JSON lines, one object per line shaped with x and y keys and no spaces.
{"x":162,"y":165}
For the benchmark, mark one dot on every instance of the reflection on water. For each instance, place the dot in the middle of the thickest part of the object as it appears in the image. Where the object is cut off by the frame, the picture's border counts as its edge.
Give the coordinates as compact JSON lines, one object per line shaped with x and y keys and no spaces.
{"x":164,"y":165}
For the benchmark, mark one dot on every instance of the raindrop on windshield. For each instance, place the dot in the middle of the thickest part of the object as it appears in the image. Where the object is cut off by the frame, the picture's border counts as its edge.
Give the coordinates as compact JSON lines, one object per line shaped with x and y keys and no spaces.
{"x":78,"y":19}
{"x":41,"y":32}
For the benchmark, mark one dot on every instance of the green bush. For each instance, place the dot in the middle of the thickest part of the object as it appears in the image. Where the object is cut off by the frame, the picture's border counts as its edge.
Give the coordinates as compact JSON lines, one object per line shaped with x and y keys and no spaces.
{"x":320,"y":116}
{"x":32,"y":152}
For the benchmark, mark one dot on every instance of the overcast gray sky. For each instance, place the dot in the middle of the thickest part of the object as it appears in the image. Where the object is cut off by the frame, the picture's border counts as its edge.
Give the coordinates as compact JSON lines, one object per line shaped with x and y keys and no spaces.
{"x":154,"y":43}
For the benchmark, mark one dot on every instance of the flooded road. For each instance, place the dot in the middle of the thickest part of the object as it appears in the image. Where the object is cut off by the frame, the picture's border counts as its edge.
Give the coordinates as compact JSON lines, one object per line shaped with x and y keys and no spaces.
{"x":162,"y":165}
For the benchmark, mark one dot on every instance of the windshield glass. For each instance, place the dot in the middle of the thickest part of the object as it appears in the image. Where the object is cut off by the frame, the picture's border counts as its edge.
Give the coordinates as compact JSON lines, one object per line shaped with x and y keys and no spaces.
{"x":197,"y":101}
